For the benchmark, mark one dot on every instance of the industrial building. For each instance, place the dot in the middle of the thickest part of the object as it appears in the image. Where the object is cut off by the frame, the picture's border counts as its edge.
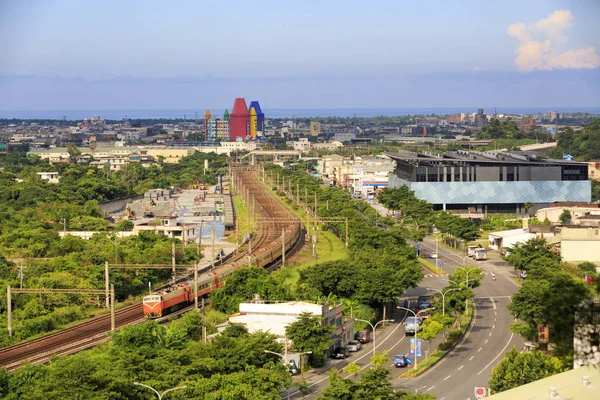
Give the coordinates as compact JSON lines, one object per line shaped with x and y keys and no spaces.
{"x":490,"y":181}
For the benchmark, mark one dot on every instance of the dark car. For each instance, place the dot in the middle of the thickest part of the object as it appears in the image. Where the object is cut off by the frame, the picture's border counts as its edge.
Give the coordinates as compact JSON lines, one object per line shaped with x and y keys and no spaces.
{"x":400,"y":361}
{"x":292,"y":368}
{"x":340,"y":353}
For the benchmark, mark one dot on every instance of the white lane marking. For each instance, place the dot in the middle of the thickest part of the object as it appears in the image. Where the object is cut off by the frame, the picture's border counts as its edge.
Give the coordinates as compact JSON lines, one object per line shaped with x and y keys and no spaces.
{"x":442,"y":398}
{"x":495,"y":313}
{"x":446,"y":378}
{"x":461,"y":367}
{"x":479,"y":349}
{"x":471,"y":358}
{"x":486,"y":340}
{"x":493,"y":303}
{"x":367,"y":354}
{"x":490,"y":334}
{"x":493,"y":326}
{"x":499,"y":354}
{"x":430,"y":388}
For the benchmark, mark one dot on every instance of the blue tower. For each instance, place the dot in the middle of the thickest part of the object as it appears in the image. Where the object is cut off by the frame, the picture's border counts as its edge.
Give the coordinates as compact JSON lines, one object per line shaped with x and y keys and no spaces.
{"x":260,"y":116}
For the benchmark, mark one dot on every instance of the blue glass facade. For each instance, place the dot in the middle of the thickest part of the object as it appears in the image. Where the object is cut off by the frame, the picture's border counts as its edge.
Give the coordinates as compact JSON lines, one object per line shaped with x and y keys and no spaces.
{"x":498,"y":192}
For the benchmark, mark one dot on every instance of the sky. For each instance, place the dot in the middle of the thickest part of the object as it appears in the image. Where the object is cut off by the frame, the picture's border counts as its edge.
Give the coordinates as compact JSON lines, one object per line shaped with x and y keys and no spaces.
{"x":94,"y":55}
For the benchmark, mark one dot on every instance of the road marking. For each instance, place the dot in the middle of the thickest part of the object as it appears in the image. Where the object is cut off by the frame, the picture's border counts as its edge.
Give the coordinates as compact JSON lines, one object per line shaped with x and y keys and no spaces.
{"x":446,"y":378}
{"x":471,"y":358}
{"x":479,"y":349}
{"x":495,"y":313}
{"x":486,"y":341}
{"x":493,"y":303}
{"x":461,"y":367}
{"x":490,"y":334}
{"x":442,"y":398}
{"x":493,"y":326}
{"x":499,"y":354}
{"x":430,"y":388}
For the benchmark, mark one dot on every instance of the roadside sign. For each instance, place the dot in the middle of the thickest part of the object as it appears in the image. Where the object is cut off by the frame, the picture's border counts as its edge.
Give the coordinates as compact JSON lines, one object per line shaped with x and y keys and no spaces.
{"x":419,"y":347}
{"x":441,"y":264}
{"x":416,"y":344}
{"x":480,"y":392}
{"x":408,"y":360}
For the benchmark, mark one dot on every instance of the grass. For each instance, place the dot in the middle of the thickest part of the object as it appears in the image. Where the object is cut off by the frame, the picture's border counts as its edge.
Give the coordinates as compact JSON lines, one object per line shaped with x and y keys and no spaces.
{"x":437,"y":353}
{"x":244,"y":218}
{"x":430,"y":266}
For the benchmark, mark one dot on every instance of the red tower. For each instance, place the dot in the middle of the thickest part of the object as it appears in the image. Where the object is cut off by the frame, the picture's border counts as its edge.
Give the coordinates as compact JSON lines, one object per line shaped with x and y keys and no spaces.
{"x":239,"y":120}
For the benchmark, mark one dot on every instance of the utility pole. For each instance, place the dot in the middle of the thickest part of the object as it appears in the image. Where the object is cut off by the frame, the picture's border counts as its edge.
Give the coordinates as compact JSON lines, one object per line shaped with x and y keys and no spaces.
{"x":106,"y":284}
{"x":173,"y":260}
{"x":112,"y":307}
{"x":346,"y":232}
{"x":282,"y":248}
{"x":212,"y":245}
{"x":9,"y":311}
{"x":21,"y":267}
{"x":196,"y":285}
{"x":203,"y":322}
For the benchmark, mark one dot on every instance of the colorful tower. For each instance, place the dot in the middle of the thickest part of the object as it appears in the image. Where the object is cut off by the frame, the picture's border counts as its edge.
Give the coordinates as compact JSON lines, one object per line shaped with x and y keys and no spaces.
{"x":253,"y":123}
{"x":239,"y":120}
{"x":206,"y":118}
{"x":260,"y":116}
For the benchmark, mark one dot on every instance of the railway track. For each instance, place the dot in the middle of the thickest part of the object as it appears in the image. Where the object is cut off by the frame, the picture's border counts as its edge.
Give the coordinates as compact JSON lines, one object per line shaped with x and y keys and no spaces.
{"x":267,"y":248}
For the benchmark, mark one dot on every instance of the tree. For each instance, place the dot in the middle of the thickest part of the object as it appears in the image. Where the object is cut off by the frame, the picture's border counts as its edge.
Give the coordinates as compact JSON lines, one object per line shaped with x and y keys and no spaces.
{"x":523,"y":254}
{"x":518,"y":369}
{"x":565,"y":217}
{"x":308,"y":333}
{"x":124,"y":226}
{"x":74,"y":152}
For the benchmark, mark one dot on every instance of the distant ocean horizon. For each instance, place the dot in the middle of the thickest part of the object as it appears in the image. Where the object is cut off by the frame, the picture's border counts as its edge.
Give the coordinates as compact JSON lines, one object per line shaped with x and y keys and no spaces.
{"x":192,"y":114}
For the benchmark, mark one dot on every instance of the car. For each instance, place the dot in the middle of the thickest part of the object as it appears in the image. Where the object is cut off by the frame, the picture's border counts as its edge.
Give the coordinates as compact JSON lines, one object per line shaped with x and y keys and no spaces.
{"x":364,"y":336}
{"x":340,"y":352}
{"x":523,"y":274}
{"x":353,"y":345}
{"x":400,"y":361}
{"x":433,"y":255}
{"x":292,"y":367}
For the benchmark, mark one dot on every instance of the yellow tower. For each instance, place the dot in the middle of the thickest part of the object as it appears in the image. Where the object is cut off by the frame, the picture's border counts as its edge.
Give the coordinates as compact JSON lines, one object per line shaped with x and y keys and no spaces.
{"x":253,"y":122}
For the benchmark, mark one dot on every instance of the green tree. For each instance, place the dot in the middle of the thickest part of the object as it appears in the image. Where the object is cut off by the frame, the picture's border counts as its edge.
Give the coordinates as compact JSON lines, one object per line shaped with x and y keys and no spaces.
{"x":74,"y":152}
{"x":518,"y":369}
{"x":308,"y":333}
{"x":565,"y":217}
{"x":523,"y":254}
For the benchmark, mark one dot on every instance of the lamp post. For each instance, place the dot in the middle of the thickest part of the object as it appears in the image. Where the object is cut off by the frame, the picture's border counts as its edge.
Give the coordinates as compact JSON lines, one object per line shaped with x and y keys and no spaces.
{"x":437,"y":254}
{"x":415,"y":314}
{"x":443,"y":297}
{"x":467,"y":271}
{"x":160,"y":396}
{"x":463,"y":260}
{"x":373,"y":327}
{"x":459,"y":284}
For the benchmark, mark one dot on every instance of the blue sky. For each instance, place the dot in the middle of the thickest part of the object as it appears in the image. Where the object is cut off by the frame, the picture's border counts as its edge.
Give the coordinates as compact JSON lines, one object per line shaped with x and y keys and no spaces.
{"x":303,"y":54}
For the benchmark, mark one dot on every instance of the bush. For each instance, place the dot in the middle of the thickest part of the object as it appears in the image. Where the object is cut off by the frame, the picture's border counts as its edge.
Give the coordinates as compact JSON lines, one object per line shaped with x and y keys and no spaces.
{"x":451,"y":338}
{"x":587,"y":268}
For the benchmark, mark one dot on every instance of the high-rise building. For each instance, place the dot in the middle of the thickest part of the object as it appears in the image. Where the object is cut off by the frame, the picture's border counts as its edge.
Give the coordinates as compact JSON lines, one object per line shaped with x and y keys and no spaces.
{"x":480,"y":118}
{"x":206,"y":119}
{"x":253,"y":123}
{"x":315,"y":128}
{"x":217,"y":130}
{"x":260,"y":116}
{"x":239,"y":120}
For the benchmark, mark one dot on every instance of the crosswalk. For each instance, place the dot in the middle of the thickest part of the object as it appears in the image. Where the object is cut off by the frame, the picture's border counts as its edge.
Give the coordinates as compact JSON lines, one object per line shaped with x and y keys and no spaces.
{"x":445,"y":274}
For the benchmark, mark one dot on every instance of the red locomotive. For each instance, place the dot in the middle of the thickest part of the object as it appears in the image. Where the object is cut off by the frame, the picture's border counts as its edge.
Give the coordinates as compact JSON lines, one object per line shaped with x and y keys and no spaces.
{"x":171,"y":299}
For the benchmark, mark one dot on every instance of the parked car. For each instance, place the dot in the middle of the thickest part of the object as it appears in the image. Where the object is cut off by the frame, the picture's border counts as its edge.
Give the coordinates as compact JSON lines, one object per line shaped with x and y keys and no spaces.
{"x":364,"y":336}
{"x":353,"y":345}
{"x":292,"y":367}
{"x":340,"y":352}
{"x":523,"y":274}
{"x":400,"y":361}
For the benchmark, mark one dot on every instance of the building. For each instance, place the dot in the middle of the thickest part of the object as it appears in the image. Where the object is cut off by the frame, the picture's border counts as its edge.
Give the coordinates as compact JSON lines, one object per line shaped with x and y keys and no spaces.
{"x":480,"y":119}
{"x":490,"y":181}
{"x":207,"y":118}
{"x":302,"y":144}
{"x":315,"y":128}
{"x":582,"y":383}
{"x":51,"y":177}
{"x":274,"y":317}
{"x":580,"y":215}
{"x":260,"y":117}
{"x":594,"y":170}
{"x":216,"y":130}
{"x":579,"y":244}
{"x":239,"y":120}
{"x":344,"y":137}
{"x":503,"y":239}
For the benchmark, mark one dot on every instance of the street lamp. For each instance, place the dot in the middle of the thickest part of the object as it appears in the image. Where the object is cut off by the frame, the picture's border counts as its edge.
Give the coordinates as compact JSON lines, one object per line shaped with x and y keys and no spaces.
{"x":374,"y":327}
{"x":160,"y":396}
{"x":443,"y":297}
{"x":467,"y":271}
{"x":467,"y":286}
{"x":415,"y":314}
{"x":463,"y":260}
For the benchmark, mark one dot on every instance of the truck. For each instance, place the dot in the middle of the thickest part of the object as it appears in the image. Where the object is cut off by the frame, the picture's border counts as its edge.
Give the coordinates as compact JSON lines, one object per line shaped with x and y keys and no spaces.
{"x":480,"y":254}
{"x":412,"y":326}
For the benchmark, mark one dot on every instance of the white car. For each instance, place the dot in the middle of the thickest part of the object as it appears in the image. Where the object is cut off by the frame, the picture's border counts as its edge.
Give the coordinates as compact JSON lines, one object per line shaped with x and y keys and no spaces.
{"x":434,"y":255}
{"x":353,"y":345}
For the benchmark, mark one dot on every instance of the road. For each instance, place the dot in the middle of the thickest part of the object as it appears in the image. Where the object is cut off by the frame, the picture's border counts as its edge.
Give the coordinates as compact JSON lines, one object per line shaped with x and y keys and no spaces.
{"x":471,"y":361}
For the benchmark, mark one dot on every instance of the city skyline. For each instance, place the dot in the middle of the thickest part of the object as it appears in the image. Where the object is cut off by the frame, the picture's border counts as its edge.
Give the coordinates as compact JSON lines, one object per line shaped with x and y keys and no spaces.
{"x":66,"y":55}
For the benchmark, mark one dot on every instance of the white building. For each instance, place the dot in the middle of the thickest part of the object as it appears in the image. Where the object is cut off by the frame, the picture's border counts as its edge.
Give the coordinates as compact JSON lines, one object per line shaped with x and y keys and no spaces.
{"x":301,"y":144}
{"x":344,"y":136}
{"x":274,"y":317}
{"x":503,"y":239}
{"x":51,"y":177}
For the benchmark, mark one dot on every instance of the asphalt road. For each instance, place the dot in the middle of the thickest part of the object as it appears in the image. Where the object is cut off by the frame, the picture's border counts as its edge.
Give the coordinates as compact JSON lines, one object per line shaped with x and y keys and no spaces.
{"x":471,"y":362}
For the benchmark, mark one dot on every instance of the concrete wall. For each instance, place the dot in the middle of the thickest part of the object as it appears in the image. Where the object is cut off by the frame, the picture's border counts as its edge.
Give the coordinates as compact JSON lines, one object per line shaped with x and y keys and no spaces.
{"x":117,"y":205}
{"x":580,"y":251}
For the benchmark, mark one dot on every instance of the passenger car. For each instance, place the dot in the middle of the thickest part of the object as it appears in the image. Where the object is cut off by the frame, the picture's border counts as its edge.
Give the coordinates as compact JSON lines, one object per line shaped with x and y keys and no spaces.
{"x":353,"y":345}
{"x":400,"y":361}
{"x":340,"y":352}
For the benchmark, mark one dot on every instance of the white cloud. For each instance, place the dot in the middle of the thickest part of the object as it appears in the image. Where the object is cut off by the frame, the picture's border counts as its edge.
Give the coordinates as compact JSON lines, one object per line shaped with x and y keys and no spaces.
{"x":542,"y":45}
{"x":476,"y":69}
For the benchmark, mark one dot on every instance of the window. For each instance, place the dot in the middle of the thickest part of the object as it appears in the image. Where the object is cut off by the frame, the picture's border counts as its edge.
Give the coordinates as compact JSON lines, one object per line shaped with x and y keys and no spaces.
{"x":501,"y":171}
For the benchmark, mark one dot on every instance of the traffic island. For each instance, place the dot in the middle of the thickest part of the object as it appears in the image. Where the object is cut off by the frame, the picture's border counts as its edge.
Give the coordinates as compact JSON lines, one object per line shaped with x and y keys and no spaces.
{"x":430,"y":267}
{"x":466,"y":323}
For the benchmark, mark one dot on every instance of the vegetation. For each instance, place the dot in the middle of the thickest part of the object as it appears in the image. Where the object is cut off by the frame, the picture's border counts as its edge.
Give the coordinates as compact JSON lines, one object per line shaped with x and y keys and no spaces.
{"x":308,"y":334}
{"x":508,"y":130}
{"x":234,"y":365}
{"x":518,"y":369}
{"x":584,"y":145}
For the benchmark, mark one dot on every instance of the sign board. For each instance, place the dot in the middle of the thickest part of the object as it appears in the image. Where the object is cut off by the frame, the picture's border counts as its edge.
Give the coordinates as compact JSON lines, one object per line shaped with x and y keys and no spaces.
{"x":416,"y":344}
{"x":480,"y":392}
{"x":408,"y":360}
{"x":441,"y":264}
